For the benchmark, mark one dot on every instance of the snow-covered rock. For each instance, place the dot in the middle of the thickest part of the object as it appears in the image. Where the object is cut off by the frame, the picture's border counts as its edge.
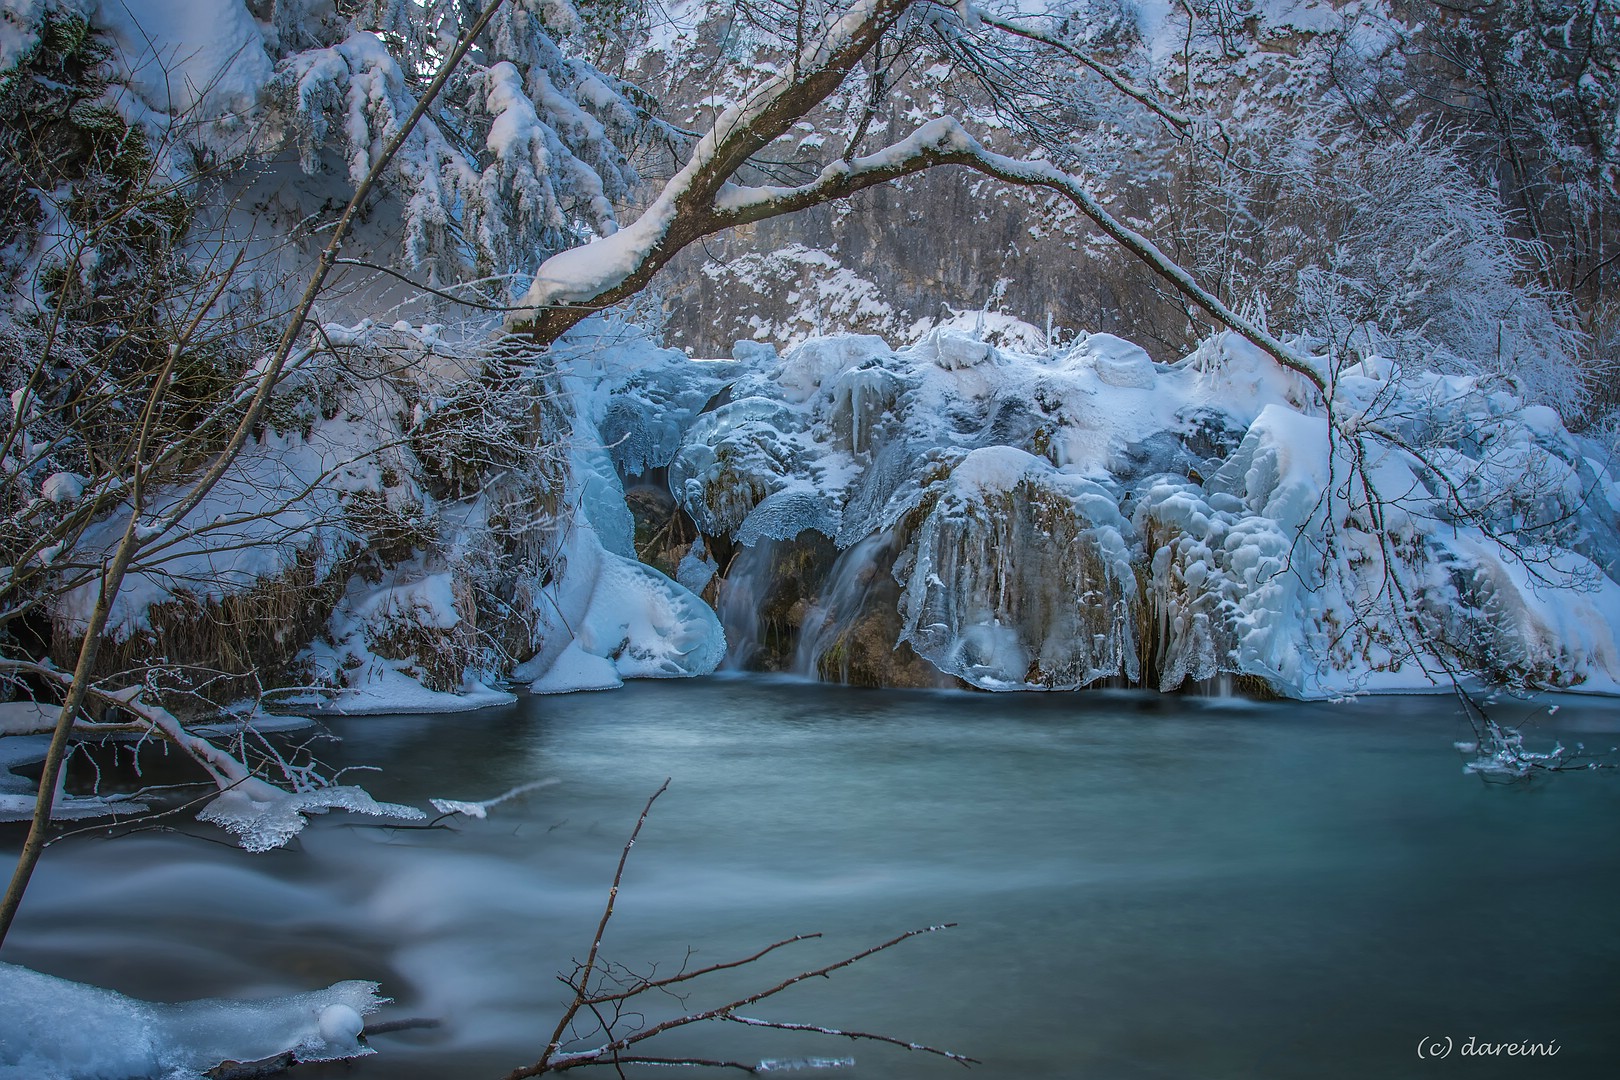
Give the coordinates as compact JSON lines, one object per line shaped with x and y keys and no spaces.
{"x":1118,"y":362}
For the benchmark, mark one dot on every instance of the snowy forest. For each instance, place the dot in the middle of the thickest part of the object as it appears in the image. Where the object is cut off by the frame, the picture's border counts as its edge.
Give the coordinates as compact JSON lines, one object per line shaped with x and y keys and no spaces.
{"x":381,"y":357}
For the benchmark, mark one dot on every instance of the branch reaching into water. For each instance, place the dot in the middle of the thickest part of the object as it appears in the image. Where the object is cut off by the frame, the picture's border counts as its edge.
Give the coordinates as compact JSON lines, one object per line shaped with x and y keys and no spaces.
{"x":1499,"y":755}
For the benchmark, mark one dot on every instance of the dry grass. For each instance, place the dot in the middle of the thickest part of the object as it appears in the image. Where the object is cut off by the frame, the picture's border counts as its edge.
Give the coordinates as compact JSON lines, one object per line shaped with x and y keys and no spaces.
{"x":202,"y":651}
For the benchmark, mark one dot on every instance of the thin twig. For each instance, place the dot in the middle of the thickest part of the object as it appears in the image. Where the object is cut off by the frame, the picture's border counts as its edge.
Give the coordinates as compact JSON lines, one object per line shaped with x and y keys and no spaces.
{"x":859,"y":1036}
{"x":596,"y":942}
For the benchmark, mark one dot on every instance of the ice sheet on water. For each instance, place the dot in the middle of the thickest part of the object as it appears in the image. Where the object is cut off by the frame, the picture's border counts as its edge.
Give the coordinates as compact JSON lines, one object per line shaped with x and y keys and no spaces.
{"x":577,"y":669}
{"x":18,"y":793}
{"x":55,"y":1029}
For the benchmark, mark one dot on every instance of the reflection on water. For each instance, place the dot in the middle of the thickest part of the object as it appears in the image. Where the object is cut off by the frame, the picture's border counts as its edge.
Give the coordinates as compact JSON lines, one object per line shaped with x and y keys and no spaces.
{"x":1145,"y":886}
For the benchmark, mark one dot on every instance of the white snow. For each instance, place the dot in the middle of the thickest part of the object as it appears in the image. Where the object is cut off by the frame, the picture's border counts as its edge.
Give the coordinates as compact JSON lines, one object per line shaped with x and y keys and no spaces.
{"x":481,"y":808}
{"x":204,"y":62}
{"x":27,"y":717}
{"x":279,"y":503}
{"x":54,"y":1029}
{"x":62,"y":487}
{"x":576,"y":669}
{"x":954,"y":351}
{"x":19,"y":30}
{"x":622,"y":620}
{"x":1118,"y":362}
{"x":264,"y":817}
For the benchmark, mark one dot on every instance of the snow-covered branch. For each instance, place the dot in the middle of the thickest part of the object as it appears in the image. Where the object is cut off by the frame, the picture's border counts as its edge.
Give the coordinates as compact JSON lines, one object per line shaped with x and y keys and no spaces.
{"x":606,"y":271}
{"x":1179,"y":121}
{"x":572,"y":284}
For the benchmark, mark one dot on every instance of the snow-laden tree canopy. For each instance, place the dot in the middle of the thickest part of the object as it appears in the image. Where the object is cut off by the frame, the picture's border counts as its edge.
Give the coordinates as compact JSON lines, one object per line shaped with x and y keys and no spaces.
{"x":525,"y":154}
{"x":1280,"y":152}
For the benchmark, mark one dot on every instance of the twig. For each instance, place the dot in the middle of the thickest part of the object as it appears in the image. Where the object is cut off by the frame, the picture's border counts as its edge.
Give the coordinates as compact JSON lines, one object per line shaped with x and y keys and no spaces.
{"x":658,"y":984}
{"x":867,"y":1036}
{"x":404,"y":1023}
{"x":596,"y":942}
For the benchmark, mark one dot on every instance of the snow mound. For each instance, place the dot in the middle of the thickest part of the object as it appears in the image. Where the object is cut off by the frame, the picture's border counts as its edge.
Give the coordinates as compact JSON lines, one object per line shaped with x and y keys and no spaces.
{"x":1118,"y":362}
{"x":55,"y":1029}
{"x":954,"y":351}
{"x":623,"y":620}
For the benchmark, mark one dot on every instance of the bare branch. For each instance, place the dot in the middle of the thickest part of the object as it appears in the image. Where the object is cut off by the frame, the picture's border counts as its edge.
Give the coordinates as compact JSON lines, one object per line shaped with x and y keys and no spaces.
{"x":1178,"y":121}
{"x":584,"y":975}
{"x":862,"y":1036}
{"x":945,"y":142}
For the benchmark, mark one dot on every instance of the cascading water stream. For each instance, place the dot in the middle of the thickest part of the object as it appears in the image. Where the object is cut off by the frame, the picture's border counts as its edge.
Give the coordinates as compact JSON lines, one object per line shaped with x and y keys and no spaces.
{"x":741,"y":603}
{"x":839,"y":602}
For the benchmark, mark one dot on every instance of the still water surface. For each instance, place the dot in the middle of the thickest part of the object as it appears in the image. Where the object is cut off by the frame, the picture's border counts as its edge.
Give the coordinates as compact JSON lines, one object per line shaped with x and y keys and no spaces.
{"x":1144,"y":886}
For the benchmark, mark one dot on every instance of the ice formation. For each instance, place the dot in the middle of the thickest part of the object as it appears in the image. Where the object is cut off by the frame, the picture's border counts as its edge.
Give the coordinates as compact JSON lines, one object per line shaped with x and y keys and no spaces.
{"x":609,"y":617}
{"x":55,"y":1029}
{"x":1053,"y":520}
{"x":24,"y":736}
{"x":264,"y":817}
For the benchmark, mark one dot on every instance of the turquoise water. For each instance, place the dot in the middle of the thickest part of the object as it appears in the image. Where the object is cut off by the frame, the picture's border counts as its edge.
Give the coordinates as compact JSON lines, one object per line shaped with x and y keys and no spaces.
{"x":1144,"y":886}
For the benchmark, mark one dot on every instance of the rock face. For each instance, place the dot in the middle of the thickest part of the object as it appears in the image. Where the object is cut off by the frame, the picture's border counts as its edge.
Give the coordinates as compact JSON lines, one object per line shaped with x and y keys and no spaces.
{"x":957,"y":513}
{"x":1018,"y":575}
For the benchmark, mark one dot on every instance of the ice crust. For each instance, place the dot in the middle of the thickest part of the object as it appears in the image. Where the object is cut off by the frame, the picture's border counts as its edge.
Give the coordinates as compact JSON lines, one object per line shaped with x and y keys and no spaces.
{"x":263,"y":817}
{"x":55,"y":1029}
{"x":608,"y":617}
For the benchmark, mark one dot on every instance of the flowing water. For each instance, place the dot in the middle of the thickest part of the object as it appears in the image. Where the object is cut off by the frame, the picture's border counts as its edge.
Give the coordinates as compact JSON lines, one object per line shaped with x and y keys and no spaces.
{"x":1144,"y":886}
{"x":742,"y":591}
{"x":840,"y":599}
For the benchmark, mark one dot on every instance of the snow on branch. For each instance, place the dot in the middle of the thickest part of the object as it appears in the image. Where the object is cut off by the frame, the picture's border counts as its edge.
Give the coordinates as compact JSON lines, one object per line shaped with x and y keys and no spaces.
{"x":259,"y":813}
{"x":572,"y":283}
{"x":1179,"y":121}
{"x":609,"y":270}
